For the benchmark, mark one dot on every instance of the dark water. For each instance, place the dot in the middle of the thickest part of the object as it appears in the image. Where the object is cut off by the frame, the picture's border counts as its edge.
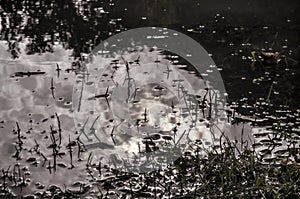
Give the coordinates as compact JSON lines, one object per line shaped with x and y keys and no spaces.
{"x":255,"y":45}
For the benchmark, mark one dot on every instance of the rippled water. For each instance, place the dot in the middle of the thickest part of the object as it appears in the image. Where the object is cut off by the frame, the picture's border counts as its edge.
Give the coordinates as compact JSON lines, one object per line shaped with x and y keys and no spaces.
{"x":29,"y":100}
{"x":37,"y":90}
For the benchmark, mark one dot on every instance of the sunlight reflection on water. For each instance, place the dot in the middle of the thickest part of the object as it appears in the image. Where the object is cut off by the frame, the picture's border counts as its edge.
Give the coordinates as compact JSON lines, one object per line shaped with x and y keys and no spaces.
{"x":29,"y":101}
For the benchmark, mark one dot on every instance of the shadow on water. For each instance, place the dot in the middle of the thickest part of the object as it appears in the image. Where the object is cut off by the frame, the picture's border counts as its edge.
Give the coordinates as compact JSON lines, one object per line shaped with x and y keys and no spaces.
{"x":230,"y":32}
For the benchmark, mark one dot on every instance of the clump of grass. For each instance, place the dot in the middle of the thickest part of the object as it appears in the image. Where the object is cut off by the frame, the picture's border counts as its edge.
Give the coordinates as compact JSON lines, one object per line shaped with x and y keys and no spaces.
{"x":224,"y":171}
{"x":230,"y":174}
